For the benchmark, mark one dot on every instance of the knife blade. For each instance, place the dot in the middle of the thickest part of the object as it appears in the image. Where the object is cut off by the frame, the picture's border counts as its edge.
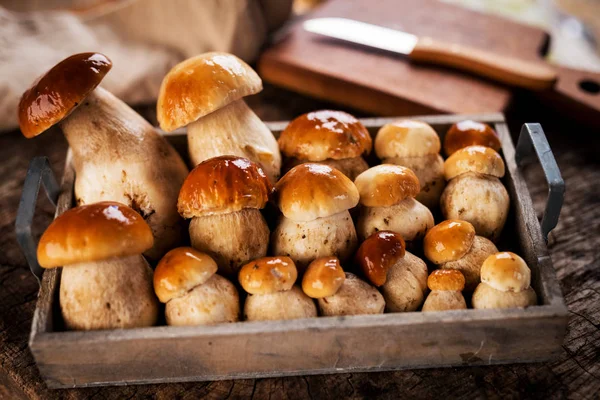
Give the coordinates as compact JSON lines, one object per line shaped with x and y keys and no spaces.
{"x":508,"y":70}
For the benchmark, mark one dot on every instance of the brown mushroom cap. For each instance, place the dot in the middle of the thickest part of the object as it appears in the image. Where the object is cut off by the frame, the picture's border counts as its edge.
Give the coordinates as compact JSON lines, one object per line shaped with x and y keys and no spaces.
{"x":470,"y":133}
{"x":180,"y":270}
{"x":94,"y":232}
{"x":310,"y":191}
{"x":378,"y":253}
{"x":223,"y":185}
{"x":506,"y":271}
{"x":406,"y":138}
{"x":268,"y":275}
{"x":479,"y":159}
{"x":53,"y":96}
{"x":448,"y":241}
{"x":386,"y":185}
{"x":202,"y":84}
{"x":323,"y":277}
{"x":446,"y":279}
{"x":319,"y":135}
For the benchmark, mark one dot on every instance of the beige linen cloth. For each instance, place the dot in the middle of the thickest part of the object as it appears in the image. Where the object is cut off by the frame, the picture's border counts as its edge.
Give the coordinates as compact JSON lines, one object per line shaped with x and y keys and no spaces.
{"x":143,"y":38}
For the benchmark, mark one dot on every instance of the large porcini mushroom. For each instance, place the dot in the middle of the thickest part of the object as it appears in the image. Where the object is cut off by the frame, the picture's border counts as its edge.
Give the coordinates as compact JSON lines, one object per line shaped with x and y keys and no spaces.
{"x":470,"y":133}
{"x":401,"y":276}
{"x":505,"y":283}
{"x":223,"y":196}
{"x":106,"y":283}
{"x":387,"y":193}
{"x":186,"y":280}
{"x":333,"y":138}
{"x":446,"y":286}
{"x":314,"y":200}
{"x":415,"y":145}
{"x":474,"y":192}
{"x":453,"y":244}
{"x":117,"y":154}
{"x":340,"y":293}
{"x":272,"y":294}
{"x":205,"y":93}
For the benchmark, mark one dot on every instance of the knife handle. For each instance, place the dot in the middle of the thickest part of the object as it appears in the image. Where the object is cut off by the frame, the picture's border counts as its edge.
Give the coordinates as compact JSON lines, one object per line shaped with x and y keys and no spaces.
{"x":505,"y":69}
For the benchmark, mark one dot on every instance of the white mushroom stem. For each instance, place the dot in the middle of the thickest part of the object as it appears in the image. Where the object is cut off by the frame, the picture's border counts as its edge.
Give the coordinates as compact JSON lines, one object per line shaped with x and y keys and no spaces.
{"x":470,"y":264}
{"x":443,"y":300}
{"x":289,"y":304}
{"x":234,"y":130}
{"x":406,"y":284}
{"x":486,"y":296}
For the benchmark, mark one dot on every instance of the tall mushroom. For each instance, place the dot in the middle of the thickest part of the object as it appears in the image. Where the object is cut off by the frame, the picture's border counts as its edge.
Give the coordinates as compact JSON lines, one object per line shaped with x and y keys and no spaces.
{"x":446,"y":286}
{"x":470,"y":133}
{"x":333,"y":138}
{"x":223,"y":196}
{"x":106,"y":283}
{"x":117,"y":154}
{"x":205,"y":93}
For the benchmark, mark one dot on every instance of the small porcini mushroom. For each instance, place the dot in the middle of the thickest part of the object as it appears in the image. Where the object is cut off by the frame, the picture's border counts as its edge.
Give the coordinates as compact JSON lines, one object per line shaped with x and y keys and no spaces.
{"x":206,"y":94}
{"x":505,"y":283}
{"x":470,"y":133}
{"x":387,"y":193}
{"x":323,"y":277}
{"x":452,"y":244}
{"x":105,"y":283}
{"x":117,"y":154}
{"x":446,"y":286}
{"x":415,"y":145}
{"x":314,"y":200}
{"x":474,"y":193}
{"x":272,"y":294}
{"x":186,"y":280}
{"x":333,"y":138}
{"x":223,"y":196}
{"x":401,"y":276}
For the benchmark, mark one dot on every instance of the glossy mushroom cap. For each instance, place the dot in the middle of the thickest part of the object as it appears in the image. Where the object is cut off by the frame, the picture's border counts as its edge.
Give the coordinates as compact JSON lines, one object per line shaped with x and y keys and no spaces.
{"x":406,"y":138}
{"x":470,"y":133}
{"x":268,"y":275}
{"x":181,"y":270}
{"x":311,"y":191}
{"x":479,"y":159}
{"x":325,"y":134}
{"x":386,"y":185}
{"x":94,"y":232}
{"x":448,"y":241}
{"x":506,"y":271}
{"x":323,"y":277}
{"x":223,"y":185}
{"x":53,"y":96}
{"x":446,"y":280}
{"x":203,"y":84}
{"x":378,"y":253}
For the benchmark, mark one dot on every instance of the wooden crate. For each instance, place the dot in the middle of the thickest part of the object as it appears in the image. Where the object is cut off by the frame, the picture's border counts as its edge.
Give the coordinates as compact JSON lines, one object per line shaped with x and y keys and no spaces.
{"x":317,"y":345}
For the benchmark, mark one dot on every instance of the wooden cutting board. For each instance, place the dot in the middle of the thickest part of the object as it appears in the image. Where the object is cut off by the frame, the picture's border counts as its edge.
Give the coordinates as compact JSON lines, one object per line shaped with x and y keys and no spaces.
{"x":387,"y":84}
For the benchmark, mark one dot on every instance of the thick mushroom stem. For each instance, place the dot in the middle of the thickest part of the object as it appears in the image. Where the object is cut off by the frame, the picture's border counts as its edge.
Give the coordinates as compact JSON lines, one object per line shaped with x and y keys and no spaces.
{"x":354,"y":297}
{"x":232,"y":239}
{"x":406,"y":284}
{"x":443,"y":300}
{"x":118,"y":156}
{"x":111,"y":294}
{"x":235,"y":130}
{"x":486,"y":296}
{"x":288,"y":304}
{"x":351,"y":167}
{"x":470,"y":264}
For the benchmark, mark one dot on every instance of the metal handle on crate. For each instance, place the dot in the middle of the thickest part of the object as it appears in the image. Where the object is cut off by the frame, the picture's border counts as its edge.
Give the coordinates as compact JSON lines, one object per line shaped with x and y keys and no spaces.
{"x":532,"y":137}
{"x":39,"y":172}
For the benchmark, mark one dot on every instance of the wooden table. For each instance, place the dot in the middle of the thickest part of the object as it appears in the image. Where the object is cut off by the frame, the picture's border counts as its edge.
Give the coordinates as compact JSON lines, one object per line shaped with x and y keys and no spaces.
{"x":574,"y":246}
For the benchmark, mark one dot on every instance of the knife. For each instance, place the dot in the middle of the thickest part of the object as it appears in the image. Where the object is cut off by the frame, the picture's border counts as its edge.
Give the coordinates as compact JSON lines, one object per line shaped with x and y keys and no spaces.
{"x":505,"y":69}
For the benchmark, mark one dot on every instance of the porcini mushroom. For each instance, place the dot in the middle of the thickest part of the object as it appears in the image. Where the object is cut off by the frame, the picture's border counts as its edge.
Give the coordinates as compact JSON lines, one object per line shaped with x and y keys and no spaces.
{"x":470,"y":133}
{"x":474,"y":193}
{"x":106,"y":283}
{"x":223,"y":196}
{"x":401,"y":276}
{"x":415,"y":145}
{"x":505,"y":283}
{"x":117,"y":154}
{"x":272,"y":294}
{"x":340,"y":293}
{"x":446,"y":286}
{"x":453,"y":244}
{"x":387,"y":193}
{"x":205,"y":93}
{"x":333,"y":138}
{"x":314,"y":200}
{"x":186,"y":280}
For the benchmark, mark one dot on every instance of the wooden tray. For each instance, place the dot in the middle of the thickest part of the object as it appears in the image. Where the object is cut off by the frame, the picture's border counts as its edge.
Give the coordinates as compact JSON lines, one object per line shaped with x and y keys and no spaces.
{"x":318,"y":345}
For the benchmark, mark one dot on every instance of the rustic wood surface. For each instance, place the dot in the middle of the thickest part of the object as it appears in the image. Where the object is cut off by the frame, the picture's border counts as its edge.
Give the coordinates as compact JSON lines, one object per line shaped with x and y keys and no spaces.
{"x":573,"y":247}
